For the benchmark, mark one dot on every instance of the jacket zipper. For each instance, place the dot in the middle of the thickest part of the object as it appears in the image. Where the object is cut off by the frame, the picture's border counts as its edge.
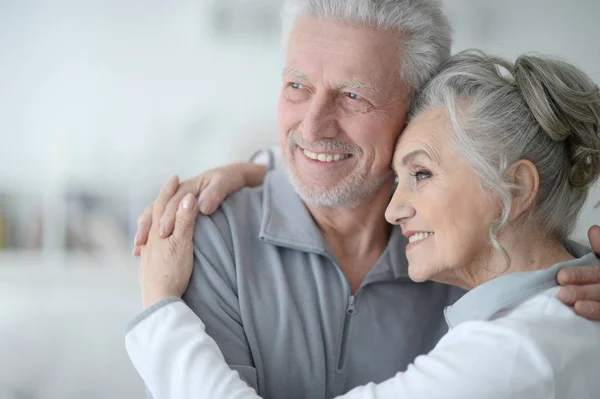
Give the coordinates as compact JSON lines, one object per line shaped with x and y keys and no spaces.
{"x":350,"y":311}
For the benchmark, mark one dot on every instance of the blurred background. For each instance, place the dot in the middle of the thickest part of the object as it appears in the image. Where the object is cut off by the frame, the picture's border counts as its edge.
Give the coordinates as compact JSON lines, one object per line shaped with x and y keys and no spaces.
{"x":101,"y":101}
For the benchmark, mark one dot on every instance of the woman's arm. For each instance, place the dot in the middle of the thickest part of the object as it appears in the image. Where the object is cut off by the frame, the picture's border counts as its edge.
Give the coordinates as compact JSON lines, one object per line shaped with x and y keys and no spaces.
{"x":178,"y":360}
{"x":170,"y":349}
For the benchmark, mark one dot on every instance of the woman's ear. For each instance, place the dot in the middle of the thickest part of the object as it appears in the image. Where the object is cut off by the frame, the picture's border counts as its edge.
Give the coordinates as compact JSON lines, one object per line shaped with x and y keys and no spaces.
{"x":526,"y":181}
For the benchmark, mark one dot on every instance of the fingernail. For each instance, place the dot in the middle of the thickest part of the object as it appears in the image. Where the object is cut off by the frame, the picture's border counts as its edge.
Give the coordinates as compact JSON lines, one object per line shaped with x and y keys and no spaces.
{"x":188,"y":201}
{"x":203,"y":206}
{"x":586,"y":309}
{"x":137,"y":237}
{"x":161,"y":231}
{"x":566,"y":295}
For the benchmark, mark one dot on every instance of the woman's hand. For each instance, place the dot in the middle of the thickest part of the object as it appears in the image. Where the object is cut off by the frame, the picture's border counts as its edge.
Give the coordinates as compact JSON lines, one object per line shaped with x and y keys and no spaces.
{"x":212,"y":187}
{"x":582,"y":284}
{"x":166,"y":263}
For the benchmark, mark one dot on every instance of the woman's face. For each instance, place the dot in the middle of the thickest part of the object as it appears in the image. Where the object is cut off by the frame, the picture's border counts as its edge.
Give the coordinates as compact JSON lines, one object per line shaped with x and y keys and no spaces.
{"x":439,"y":203}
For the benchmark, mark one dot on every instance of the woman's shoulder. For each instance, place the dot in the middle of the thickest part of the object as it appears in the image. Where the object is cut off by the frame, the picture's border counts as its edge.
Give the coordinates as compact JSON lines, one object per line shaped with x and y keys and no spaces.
{"x":568,"y":341}
{"x":545,"y":317}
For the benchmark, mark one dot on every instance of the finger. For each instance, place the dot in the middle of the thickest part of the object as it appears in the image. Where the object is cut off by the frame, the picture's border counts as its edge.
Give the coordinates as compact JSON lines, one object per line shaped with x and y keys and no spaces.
{"x":579,"y":275}
{"x":144,"y":224}
{"x":588,"y":309}
{"x":189,"y":186}
{"x":574,"y":293}
{"x":217,"y":189}
{"x":594,"y":237}
{"x":137,"y":250}
{"x":211,"y":198}
{"x":166,"y":192}
{"x":185,"y":220}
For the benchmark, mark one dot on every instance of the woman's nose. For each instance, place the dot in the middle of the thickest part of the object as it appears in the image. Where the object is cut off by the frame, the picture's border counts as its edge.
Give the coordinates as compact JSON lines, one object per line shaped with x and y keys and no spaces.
{"x":399,"y":210}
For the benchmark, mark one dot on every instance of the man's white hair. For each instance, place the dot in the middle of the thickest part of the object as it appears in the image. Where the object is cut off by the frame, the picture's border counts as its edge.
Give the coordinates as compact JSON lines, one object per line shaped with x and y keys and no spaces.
{"x":421,"y":24}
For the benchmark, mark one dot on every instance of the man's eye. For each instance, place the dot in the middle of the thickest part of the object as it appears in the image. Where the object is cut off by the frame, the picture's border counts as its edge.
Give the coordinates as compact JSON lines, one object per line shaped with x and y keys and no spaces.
{"x":353,"y":96}
{"x":296,"y":85}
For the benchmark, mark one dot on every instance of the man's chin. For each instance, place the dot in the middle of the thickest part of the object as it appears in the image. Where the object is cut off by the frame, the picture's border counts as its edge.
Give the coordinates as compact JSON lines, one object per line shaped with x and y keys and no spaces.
{"x":347,"y":191}
{"x":317,"y":196}
{"x":320,"y":195}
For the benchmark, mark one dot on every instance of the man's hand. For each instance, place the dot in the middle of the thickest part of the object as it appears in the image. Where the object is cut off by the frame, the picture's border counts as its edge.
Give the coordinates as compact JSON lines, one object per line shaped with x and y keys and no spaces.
{"x":166,"y":263}
{"x":582,"y":284}
{"x":212,"y":187}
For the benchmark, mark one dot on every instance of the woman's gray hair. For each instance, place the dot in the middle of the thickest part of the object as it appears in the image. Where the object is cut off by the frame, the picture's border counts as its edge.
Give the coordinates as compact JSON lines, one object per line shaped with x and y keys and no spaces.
{"x":539,"y":109}
{"x":422,"y":26}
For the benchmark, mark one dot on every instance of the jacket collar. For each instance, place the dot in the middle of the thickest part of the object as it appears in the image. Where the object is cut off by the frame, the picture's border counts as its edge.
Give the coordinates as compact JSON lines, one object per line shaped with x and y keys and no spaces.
{"x":287,"y":223}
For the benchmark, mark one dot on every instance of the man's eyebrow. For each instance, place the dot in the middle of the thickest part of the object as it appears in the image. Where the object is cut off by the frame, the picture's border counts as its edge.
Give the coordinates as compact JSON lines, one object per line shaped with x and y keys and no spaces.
{"x":355,"y":84}
{"x":295,"y":73}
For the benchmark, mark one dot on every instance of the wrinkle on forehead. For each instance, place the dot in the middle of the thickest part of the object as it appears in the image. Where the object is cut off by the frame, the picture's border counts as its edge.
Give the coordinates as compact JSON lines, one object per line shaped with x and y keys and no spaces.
{"x":430,"y":131}
{"x":348,"y":57}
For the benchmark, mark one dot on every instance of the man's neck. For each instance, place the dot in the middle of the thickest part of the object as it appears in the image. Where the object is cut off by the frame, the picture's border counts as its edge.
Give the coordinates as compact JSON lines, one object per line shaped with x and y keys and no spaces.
{"x":358,"y":236}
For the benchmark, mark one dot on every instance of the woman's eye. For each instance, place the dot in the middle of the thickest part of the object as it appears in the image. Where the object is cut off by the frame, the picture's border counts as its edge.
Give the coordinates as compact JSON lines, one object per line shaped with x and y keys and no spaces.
{"x":421,"y":175}
{"x":296,"y":85}
{"x":353,"y":96}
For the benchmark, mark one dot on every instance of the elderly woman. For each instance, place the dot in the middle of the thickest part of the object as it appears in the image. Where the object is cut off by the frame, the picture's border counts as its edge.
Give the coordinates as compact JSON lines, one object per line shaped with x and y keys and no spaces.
{"x":492,"y":171}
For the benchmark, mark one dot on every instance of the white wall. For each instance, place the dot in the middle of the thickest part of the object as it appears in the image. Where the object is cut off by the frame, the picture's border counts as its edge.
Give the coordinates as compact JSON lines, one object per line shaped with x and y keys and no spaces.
{"x":126,"y":92}
{"x":62,"y":323}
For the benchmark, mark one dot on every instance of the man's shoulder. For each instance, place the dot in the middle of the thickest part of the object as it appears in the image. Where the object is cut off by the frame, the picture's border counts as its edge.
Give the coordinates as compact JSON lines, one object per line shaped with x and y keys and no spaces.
{"x":241,"y":213}
{"x":243,"y":205}
{"x":221,"y":239}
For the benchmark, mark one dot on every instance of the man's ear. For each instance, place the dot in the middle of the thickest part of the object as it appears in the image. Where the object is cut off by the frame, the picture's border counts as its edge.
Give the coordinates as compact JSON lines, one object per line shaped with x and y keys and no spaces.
{"x":526,"y":181}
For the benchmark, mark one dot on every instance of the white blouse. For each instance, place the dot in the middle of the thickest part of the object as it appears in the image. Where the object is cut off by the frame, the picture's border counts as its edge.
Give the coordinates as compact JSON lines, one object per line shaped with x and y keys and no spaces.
{"x":509,"y":338}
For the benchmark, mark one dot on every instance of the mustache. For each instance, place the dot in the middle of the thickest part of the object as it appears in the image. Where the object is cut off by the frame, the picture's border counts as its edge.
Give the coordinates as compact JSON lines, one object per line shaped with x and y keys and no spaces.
{"x":324,"y":144}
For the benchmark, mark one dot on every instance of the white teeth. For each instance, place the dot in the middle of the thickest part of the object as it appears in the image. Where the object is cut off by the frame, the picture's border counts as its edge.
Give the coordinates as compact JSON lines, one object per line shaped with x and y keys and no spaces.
{"x":325,"y":157}
{"x":419,"y":236}
{"x":311,"y":155}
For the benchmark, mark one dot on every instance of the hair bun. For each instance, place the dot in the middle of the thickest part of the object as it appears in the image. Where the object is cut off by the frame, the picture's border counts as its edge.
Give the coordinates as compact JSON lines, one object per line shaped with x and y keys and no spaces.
{"x":566,"y":104}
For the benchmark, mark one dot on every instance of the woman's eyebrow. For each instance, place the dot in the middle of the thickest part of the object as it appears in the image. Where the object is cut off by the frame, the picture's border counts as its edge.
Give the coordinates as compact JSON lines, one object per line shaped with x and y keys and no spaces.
{"x":413,"y":154}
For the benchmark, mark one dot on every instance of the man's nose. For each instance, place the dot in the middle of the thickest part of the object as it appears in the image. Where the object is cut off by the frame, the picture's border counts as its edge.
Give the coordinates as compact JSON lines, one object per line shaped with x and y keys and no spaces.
{"x":319,"y":121}
{"x":400,"y":209}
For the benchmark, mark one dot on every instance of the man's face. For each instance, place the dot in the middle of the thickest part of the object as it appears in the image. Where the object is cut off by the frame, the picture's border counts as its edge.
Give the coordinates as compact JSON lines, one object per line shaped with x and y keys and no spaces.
{"x":341,"y":108}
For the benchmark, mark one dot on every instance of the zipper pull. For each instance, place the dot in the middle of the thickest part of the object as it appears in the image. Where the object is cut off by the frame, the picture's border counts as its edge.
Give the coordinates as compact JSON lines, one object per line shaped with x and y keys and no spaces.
{"x":350,"y":310}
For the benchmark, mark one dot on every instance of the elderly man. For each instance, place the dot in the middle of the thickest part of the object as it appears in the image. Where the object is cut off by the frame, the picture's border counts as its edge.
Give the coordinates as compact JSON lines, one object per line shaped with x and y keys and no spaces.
{"x":305,"y":266}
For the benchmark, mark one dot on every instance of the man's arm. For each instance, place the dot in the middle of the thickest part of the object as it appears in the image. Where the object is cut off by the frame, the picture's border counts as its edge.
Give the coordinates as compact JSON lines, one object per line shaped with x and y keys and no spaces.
{"x":212,"y":294}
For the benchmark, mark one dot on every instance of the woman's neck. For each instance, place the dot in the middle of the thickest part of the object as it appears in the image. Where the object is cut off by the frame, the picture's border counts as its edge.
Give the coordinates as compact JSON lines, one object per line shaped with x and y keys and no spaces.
{"x":526,"y":251}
